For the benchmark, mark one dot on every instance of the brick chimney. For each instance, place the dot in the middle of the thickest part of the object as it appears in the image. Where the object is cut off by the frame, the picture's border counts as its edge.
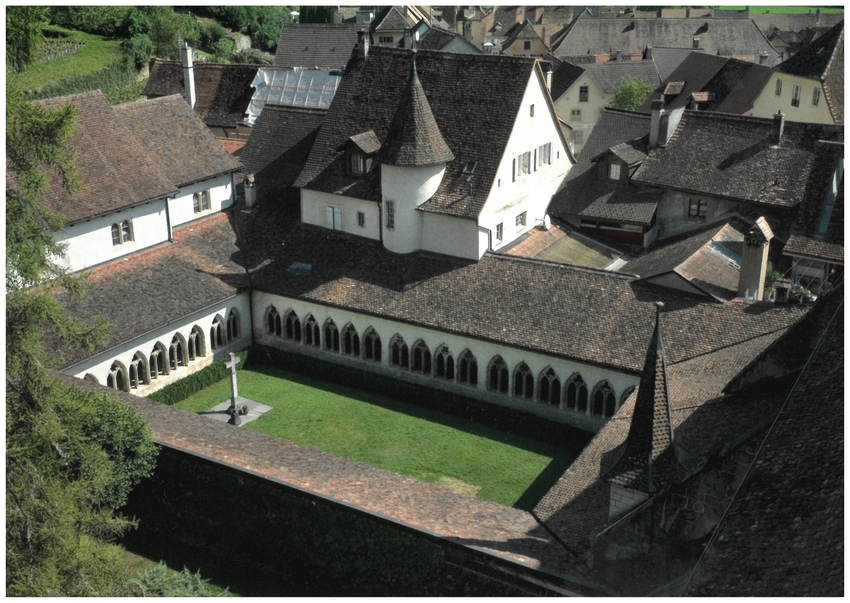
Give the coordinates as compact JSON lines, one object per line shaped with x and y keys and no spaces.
{"x":754,"y":260}
{"x":362,"y":45}
{"x":188,"y":74}
{"x":778,"y":128}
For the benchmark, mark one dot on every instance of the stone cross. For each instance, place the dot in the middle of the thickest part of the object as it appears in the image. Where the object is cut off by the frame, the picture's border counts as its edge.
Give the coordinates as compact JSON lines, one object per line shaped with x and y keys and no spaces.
{"x":233,"y":411}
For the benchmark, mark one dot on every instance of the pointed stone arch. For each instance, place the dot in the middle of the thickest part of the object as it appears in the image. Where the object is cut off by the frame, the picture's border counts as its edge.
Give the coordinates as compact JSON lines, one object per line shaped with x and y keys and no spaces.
{"x":549,"y":387}
{"x":137,"y":373}
{"x":421,"y":358}
{"x":234,"y":327}
{"x":575,"y":394}
{"x":400,"y":355}
{"x":177,"y":352}
{"x":117,"y":377}
{"x":523,"y":381}
{"x":274,"y":325}
{"x":312,"y":333}
{"x":350,"y":341}
{"x":92,"y":378}
{"x":292,"y":326}
{"x":158,"y":361}
{"x":195,"y":347}
{"x":217,"y":332}
{"x":371,"y":345}
{"x":498,"y":376}
{"x":603,"y":400}
{"x":444,"y":363}
{"x":331,"y":335}
{"x":467,"y":368}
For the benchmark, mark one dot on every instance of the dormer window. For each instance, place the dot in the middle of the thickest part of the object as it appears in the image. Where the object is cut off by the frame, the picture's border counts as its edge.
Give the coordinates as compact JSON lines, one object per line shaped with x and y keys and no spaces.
{"x":614,"y":171}
{"x":469,"y":170}
{"x":361,"y":148}
{"x":357,"y":163}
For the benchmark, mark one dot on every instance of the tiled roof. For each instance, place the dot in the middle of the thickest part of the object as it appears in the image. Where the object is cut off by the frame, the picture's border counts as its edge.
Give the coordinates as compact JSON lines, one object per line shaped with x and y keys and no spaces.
{"x":233,"y":146}
{"x":803,"y":240}
{"x":158,"y":286}
{"x":794,"y":21}
{"x":731,"y":37}
{"x":435,"y":39}
{"x":564,"y":75}
{"x":668,"y":59}
{"x":316,"y":45}
{"x":278,"y":148}
{"x":614,"y":127}
{"x":413,"y":139}
{"x":732,"y":157}
{"x":171,"y":134}
{"x":632,"y":153}
{"x":367,"y":142}
{"x":392,"y":18}
{"x":608,"y":75}
{"x":588,"y":315}
{"x":368,"y":98}
{"x":696,"y":258}
{"x":823,"y":59}
{"x":783,"y":534}
{"x":115,"y":169}
{"x":520,"y":31}
{"x":222,"y":92}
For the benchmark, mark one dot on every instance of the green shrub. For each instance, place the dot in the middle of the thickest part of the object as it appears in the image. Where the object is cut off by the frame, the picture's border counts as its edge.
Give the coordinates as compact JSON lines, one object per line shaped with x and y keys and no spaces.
{"x":138,"y":50}
{"x":249,"y":57}
{"x":180,"y":390}
{"x":101,"y":20}
{"x":211,"y":34}
{"x":107,"y":80}
{"x":159,"y":581}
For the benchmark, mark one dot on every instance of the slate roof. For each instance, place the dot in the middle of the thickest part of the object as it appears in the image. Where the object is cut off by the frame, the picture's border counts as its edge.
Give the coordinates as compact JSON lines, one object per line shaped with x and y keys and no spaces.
{"x":160,"y":285}
{"x":222,"y":92}
{"x":171,"y":134}
{"x":588,"y":315}
{"x":731,"y":37}
{"x":564,"y":75}
{"x":823,"y":59}
{"x":732,"y":156}
{"x":794,"y":21}
{"x":278,"y":148}
{"x":520,"y":31}
{"x":316,"y":45}
{"x":732,"y":85}
{"x":368,"y":98}
{"x":608,"y":75}
{"x":803,"y":240}
{"x":436,"y":39}
{"x":394,"y":18}
{"x":783,"y":534}
{"x":116,"y":169}
{"x":703,"y":258}
{"x":668,"y":59}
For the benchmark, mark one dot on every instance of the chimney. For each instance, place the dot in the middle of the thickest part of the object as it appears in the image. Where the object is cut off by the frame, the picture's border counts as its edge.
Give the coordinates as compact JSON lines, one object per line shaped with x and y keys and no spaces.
{"x":648,"y":53}
{"x":657,"y":116}
{"x":687,"y":12}
{"x":696,"y":42}
{"x":710,"y":12}
{"x":817,"y":16}
{"x":546,"y":66}
{"x":408,"y":37}
{"x":362,"y":45}
{"x":188,"y":74}
{"x":250,"y":191}
{"x":762,"y":57}
{"x":619,"y":56}
{"x":778,"y":128}
{"x":754,"y":260}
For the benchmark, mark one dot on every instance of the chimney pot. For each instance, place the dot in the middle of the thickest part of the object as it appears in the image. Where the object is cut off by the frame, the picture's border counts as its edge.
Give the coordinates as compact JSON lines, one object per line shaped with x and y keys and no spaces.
{"x":778,"y":128}
{"x":362,"y":45}
{"x":754,"y":260}
{"x":696,"y":42}
{"x":250,"y":191}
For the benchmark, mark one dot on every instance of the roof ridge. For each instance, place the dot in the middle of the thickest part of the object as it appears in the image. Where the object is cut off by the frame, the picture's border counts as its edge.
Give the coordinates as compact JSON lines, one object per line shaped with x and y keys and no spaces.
{"x":146,"y":101}
{"x":561,"y":265}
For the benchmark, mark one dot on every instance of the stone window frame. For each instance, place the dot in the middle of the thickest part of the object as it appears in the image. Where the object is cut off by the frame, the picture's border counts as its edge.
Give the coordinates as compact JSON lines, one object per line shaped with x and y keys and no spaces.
{"x":117,"y":377}
{"x":331,"y":336}
{"x":583,"y":94}
{"x":697,"y":208}
{"x":796,"y":94}
{"x":201,"y":201}
{"x":608,"y":400}
{"x":122,"y":232}
{"x":311,"y":332}
{"x":498,"y":381}
{"x":233,"y":325}
{"x":217,"y":339}
{"x":195,"y":345}
{"x":444,"y":363}
{"x":274,"y":323}
{"x":549,"y":390}
{"x":399,"y":352}
{"x":421,"y":360}
{"x":137,"y":373}
{"x":577,"y":382}
{"x":467,"y":366}
{"x":158,"y":361}
{"x":291,"y":326}
{"x":372,"y":345}
{"x":178,"y":352}
{"x":351,"y":341}
{"x":523,"y":380}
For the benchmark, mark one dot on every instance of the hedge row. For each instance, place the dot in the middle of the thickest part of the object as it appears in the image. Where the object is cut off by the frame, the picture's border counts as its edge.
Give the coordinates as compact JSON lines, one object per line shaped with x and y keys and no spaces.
{"x":110,"y":78}
{"x":180,"y":390}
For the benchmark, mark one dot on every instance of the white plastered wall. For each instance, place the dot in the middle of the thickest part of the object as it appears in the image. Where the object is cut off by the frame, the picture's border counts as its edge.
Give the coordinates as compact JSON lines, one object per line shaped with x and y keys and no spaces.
{"x":531,"y":192}
{"x":90,"y":241}
{"x":407,"y":188}
{"x":314,"y":206}
{"x":767,"y":103}
{"x":182,"y":209}
{"x":450,"y":236}
{"x":483,"y":351}
{"x":100,"y":364}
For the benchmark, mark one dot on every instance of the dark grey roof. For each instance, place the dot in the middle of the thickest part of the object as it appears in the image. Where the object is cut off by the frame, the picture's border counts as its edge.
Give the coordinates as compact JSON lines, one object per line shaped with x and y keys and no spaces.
{"x":163,"y":284}
{"x":668,"y":59}
{"x":222,"y":92}
{"x":520,"y":31}
{"x":393,"y":18}
{"x":172,"y":135}
{"x":783,"y":534}
{"x":615,"y":126}
{"x":316,"y":45}
{"x":116,"y":169}
{"x":564,"y":75}
{"x":632,"y":153}
{"x":368,"y":97}
{"x":608,"y":75}
{"x":794,"y":21}
{"x":732,"y":156}
{"x":278,"y":148}
{"x":367,"y":142}
{"x":731,"y":37}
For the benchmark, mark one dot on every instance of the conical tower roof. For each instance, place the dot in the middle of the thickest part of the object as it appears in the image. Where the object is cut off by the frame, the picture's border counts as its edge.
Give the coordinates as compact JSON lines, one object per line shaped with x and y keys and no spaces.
{"x":414,"y":139}
{"x":649,"y":459}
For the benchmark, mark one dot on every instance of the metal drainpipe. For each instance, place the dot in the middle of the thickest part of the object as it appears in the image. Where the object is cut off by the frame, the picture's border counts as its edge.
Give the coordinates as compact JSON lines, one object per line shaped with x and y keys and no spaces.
{"x":168,"y":222}
{"x":489,"y":237}
{"x":381,"y":222}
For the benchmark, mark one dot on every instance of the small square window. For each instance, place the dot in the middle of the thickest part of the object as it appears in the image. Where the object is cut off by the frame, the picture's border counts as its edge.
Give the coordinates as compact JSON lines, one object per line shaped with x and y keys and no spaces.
{"x":520,"y":221}
{"x":577,"y":137}
{"x":697,"y":208}
{"x":532,"y":110}
{"x":361,"y":219}
{"x":500,"y":232}
{"x":526,"y":45}
{"x":575,"y":114}
{"x":614,"y":171}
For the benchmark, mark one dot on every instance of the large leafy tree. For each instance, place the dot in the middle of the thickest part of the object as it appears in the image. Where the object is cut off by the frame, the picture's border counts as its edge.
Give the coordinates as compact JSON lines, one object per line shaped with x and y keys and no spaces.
{"x":71,"y":456}
{"x":630,"y":94}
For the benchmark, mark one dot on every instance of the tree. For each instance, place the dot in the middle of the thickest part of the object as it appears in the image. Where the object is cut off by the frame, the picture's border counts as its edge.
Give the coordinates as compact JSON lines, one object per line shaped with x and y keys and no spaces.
{"x":630,"y":94}
{"x":316,"y":14}
{"x":71,"y":456}
{"x":23,"y":34}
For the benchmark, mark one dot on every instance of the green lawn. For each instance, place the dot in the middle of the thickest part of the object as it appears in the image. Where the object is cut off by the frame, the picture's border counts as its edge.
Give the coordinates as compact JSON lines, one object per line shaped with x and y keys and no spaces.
{"x":757,"y":10}
{"x":96,"y":53}
{"x":417,"y":442}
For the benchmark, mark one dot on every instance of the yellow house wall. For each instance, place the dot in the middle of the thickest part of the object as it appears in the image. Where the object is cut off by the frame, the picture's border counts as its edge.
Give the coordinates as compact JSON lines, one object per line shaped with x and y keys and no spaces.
{"x":590,"y":110}
{"x":538,"y":49}
{"x":768,"y":103}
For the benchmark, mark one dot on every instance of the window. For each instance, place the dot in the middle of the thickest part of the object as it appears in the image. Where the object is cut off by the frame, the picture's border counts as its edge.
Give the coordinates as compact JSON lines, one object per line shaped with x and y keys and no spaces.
{"x":816,"y":97}
{"x":523,"y":382}
{"x":520,"y":221}
{"x":331,"y":336}
{"x":311,"y":332}
{"x":293,"y":326}
{"x":201,"y":201}
{"x":778,"y":87}
{"x":390,"y":215}
{"x":177,"y":352}
{"x":385,"y":39}
{"x":795,"y":95}
{"x":421,"y":358}
{"x":577,"y":137}
{"x":550,"y":388}
{"x":357,"y":163}
{"x":361,"y":219}
{"x":498,"y":376}
{"x":333,"y":216}
{"x":575,"y":114}
{"x":522,"y":165}
{"x":500,"y":231}
{"x":445,"y":364}
{"x":697,"y":208}
{"x":372,"y":345}
{"x":582,"y":94}
{"x":531,"y":113}
{"x":117,"y":377}
{"x":526,"y":45}
{"x":216,"y":330}
{"x":400,"y":355}
{"x":544,"y":154}
{"x":122,"y":232}
{"x":351,"y":341}
{"x":614,"y":171}
{"x":233,"y":325}
{"x":196,"y":343}
{"x":273,"y":322}
{"x":604,"y":402}
{"x":467,"y":368}
{"x":157,"y":362}
{"x":138,"y":371}
{"x":577,"y":394}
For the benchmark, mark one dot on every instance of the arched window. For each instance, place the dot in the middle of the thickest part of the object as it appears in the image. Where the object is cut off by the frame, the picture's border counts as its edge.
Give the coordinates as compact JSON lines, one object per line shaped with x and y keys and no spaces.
{"x":372,"y":345}
{"x":122,"y":232}
{"x":138,"y":373}
{"x":232,"y":325}
{"x":351,"y":341}
{"x":499,"y":376}
{"x":158,"y":363}
{"x":196,"y":202}
{"x":445,"y":363}
{"x":523,"y":381}
{"x":467,"y":368}
{"x":196,"y":343}
{"x":116,"y":234}
{"x":400,"y":354}
{"x":92,"y":378}
{"x":216,"y":333}
{"x":550,"y":388}
{"x":293,"y":326}
{"x":273,"y":321}
{"x":177,"y":352}
{"x":331,"y":336}
{"x":421,"y":358}
{"x":577,"y":394}
{"x":117,"y":378}
{"x":604,"y":401}
{"x":311,"y":332}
